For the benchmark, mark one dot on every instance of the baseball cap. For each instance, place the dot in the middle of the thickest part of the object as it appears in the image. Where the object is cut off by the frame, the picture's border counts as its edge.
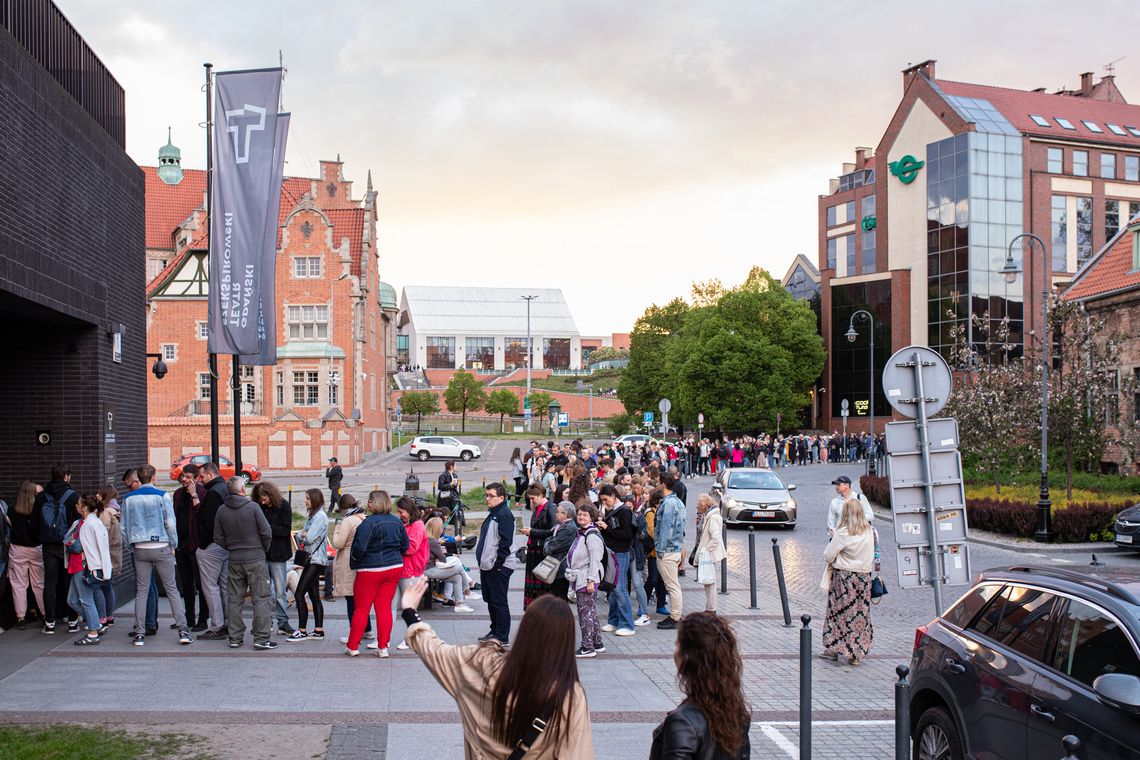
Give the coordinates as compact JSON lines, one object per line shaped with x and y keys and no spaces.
{"x":841,"y":479}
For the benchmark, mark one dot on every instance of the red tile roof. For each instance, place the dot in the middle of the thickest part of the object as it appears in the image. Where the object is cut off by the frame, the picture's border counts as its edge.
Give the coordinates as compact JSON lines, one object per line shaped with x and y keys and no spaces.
{"x":1018,"y":105}
{"x":1109,"y":271}
{"x":349,"y":223}
{"x":167,"y":206}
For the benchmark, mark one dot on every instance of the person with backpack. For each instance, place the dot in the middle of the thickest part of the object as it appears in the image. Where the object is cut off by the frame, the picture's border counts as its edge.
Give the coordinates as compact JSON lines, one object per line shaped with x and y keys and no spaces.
{"x":56,"y":505}
{"x":654,"y":583}
{"x":584,"y":570}
{"x":617,"y":531}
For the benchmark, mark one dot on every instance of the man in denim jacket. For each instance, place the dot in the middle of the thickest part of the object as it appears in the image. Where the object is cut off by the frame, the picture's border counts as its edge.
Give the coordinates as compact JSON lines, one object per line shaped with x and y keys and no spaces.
{"x":149,"y":529}
{"x":669,"y":541}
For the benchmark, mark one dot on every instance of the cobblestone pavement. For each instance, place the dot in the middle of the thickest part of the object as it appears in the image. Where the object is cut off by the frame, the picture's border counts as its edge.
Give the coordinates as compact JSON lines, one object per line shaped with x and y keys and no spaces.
{"x":393,"y":709}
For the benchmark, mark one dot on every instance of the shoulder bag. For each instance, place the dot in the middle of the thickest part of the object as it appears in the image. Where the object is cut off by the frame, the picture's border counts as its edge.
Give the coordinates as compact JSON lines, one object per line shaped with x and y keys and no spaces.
{"x":537,"y":726}
{"x":547,"y":570}
{"x":301,"y":558}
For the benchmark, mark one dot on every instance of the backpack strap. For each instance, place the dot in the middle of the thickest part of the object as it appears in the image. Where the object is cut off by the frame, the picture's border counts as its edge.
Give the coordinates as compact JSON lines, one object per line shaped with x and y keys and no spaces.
{"x":537,"y":726}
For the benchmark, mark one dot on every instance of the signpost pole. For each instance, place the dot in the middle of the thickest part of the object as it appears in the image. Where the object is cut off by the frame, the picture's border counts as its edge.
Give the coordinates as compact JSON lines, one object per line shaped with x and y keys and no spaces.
{"x":928,"y":485}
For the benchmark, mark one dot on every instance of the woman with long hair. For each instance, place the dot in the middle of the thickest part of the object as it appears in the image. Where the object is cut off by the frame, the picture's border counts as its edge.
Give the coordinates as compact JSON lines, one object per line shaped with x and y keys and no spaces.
{"x":416,"y":555}
{"x":279,"y":558}
{"x":25,"y":555}
{"x":313,"y":539}
{"x":344,"y":577}
{"x":377,"y":557}
{"x":105,"y":599}
{"x":579,"y":492}
{"x":850,"y":557}
{"x":501,"y":694}
{"x":713,"y":719}
{"x":94,"y":569}
{"x":447,"y":569}
{"x":518,"y":474}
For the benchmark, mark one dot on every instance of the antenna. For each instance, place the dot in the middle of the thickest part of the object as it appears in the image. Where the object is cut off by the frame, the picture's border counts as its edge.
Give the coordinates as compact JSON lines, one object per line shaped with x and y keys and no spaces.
{"x":1110,"y":67}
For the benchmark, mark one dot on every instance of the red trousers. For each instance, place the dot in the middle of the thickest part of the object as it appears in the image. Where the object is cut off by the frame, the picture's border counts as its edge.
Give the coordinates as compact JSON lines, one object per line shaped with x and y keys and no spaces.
{"x":373,"y":589}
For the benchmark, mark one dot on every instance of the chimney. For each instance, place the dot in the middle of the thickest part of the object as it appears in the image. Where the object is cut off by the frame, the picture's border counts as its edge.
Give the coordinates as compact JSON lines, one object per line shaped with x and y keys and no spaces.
{"x":848,"y":167}
{"x":1086,"y":84}
{"x":1039,"y":89}
{"x":926,"y":68}
{"x":860,"y":158}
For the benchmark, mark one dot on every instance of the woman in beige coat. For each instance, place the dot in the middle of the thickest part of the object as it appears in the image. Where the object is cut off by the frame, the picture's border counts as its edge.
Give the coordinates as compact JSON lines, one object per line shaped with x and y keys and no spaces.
{"x":343,"y":575}
{"x":850,"y":557}
{"x":710,"y":543}
{"x":501,"y":694}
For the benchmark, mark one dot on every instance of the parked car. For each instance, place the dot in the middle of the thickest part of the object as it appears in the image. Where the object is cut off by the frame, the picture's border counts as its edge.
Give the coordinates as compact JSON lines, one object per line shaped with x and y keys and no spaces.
{"x":1026,"y":657}
{"x":225,"y":467}
{"x":428,"y":446}
{"x":755,"y":496}
{"x":1128,"y":527}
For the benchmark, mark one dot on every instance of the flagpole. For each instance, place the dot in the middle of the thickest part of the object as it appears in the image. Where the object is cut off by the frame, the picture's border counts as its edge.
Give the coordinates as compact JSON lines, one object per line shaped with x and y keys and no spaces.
{"x":236,"y":401}
{"x":215,"y":453}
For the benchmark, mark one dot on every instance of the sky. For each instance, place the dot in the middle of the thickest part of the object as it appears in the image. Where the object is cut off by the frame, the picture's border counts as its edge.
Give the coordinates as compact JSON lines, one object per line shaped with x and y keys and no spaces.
{"x":617,"y":150}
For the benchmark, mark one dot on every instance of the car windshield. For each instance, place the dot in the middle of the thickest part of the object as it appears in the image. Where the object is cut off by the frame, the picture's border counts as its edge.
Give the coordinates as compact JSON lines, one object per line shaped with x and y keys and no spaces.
{"x":757,"y":480}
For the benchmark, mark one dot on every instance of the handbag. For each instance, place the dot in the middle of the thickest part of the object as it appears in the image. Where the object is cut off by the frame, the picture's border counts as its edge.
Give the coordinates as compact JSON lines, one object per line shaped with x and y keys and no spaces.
{"x":547,"y":570}
{"x":706,"y":568}
{"x":878,"y":589}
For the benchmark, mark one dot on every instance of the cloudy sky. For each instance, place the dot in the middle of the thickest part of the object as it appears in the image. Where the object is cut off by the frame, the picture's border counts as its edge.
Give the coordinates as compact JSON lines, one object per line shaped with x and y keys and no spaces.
{"x":618,"y":150}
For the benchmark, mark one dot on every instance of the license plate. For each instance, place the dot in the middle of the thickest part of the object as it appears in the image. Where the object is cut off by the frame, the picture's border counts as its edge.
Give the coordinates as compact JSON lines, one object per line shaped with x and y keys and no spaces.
{"x":1123,"y":539}
{"x":763,"y":514}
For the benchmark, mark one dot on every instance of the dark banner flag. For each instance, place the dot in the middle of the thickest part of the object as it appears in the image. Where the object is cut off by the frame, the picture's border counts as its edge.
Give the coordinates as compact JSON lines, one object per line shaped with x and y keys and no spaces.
{"x":267,"y":322}
{"x":245,"y":189}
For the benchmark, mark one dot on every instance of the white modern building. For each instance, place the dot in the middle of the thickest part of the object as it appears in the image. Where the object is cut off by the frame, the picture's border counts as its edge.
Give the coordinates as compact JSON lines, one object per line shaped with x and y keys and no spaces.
{"x":485,"y":329}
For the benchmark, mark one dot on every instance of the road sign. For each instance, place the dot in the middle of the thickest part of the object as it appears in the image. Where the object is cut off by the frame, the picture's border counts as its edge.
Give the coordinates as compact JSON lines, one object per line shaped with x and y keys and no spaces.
{"x":701,"y":418}
{"x":665,"y":405}
{"x":899,"y":384}
{"x":563,"y":419}
{"x":843,"y":405}
{"x":915,"y":570}
{"x":647,"y":418}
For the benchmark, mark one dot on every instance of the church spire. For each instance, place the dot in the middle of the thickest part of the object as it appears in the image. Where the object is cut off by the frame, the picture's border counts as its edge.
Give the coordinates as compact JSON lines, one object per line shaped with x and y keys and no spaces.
{"x":169,"y":161}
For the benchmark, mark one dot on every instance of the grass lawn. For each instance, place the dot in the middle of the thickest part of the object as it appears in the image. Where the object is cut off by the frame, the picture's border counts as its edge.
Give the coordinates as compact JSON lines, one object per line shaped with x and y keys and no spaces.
{"x":71,"y":741}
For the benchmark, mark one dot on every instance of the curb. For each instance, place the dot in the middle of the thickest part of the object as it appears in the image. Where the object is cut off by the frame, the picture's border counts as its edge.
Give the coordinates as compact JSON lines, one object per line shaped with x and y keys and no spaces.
{"x":996,"y":542}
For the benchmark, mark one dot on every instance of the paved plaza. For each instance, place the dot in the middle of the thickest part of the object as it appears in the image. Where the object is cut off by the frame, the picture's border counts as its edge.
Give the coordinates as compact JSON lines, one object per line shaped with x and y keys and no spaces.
{"x":311,"y":699}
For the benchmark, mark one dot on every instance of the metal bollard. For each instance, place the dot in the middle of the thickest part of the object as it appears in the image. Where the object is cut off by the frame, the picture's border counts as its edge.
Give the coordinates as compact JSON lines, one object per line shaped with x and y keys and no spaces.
{"x":290,"y":497}
{"x":805,"y":688}
{"x":782,"y":583}
{"x":902,"y":714}
{"x":1071,"y":745}
{"x":752,"y":567}
{"x":724,"y":562}
{"x":484,"y":482}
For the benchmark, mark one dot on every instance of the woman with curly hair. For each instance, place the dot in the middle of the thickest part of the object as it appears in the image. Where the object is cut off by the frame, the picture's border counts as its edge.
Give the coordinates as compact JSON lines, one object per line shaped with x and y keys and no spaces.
{"x":713,"y":719}
{"x":579,"y":492}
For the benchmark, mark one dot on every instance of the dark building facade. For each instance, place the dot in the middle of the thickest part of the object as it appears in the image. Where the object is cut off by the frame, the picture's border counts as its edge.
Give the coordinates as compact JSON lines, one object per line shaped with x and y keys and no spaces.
{"x":72,"y":260}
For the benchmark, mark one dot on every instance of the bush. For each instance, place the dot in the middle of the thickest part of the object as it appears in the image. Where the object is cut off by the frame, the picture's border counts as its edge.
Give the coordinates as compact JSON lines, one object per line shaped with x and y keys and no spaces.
{"x":1075,"y":523}
{"x":877,"y":490}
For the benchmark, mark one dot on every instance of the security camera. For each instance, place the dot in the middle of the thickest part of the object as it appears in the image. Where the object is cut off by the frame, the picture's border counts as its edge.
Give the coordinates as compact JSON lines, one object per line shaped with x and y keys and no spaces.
{"x":159,"y":369}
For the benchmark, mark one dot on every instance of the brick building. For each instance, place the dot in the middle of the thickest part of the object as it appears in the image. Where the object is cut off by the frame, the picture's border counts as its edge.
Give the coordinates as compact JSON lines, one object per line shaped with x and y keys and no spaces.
{"x":917,"y":230}
{"x":1109,"y":288}
{"x":328,"y":393}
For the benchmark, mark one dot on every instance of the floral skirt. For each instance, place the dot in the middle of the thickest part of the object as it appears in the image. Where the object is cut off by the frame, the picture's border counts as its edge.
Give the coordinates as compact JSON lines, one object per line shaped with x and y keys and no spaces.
{"x":533,"y":588}
{"x":848,"y":627}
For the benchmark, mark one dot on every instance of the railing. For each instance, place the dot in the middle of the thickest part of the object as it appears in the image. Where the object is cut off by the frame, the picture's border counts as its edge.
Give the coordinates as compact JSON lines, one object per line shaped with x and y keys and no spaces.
{"x":571,"y":372}
{"x":201,"y":406}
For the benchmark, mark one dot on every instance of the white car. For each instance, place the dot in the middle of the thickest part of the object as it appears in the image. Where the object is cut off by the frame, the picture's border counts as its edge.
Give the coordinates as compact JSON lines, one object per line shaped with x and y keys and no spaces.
{"x":442,"y":446}
{"x":640,"y":439}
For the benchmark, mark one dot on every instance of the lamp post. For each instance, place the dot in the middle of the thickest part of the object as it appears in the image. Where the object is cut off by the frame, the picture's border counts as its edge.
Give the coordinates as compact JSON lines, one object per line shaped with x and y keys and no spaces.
{"x":851,"y":336}
{"x":1009,"y":272}
{"x":529,"y":358}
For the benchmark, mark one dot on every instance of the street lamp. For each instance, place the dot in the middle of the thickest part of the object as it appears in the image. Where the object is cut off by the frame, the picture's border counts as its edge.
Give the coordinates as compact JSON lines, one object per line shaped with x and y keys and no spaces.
{"x":851,"y":336}
{"x":529,"y":357}
{"x":1009,"y":272}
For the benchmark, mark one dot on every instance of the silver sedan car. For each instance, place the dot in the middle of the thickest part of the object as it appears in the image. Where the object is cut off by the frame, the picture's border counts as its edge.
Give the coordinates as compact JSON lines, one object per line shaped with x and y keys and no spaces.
{"x":755,"y":496}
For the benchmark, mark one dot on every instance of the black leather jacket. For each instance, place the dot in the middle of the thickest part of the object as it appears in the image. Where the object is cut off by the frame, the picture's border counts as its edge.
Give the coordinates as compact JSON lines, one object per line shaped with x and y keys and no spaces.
{"x":684,"y":735}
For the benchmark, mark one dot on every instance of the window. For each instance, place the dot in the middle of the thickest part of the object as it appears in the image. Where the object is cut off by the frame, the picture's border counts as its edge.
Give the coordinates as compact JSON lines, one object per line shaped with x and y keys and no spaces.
{"x":203,"y":330}
{"x":964,"y":611}
{"x":480,"y":353}
{"x":204,"y":386}
{"x":1132,"y":168}
{"x":440,"y":353}
{"x":1136,"y":385}
{"x":868,"y":206}
{"x":831,"y":216}
{"x":1018,"y":619}
{"x":1111,"y":218}
{"x":1065,"y":123}
{"x":1112,"y":398}
{"x":1108,"y":165}
{"x":1092,"y":126}
{"x":831,"y":252}
{"x":334,"y":389}
{"x":280,"y":389}
{"x":1060,"y":233}
{"x":1056,"y":161}
{"x":306,"y":388}
{"x":1084,"y":230}
{"x":1116,"y":130}
{"x":169,"y":352}
{"x":849,"y":211}
{"x":308,"y":322}
{"x":514,"y":353}
{"x":556,"y":353}
{"x":307,"y":266}
{"x":869,"y":262}
{"x":1135,"y":132}
{"x":1040,"y":121}
{"x":850,"y":248}
{"x":1081,"y":163}
{"x":1091,"y":644}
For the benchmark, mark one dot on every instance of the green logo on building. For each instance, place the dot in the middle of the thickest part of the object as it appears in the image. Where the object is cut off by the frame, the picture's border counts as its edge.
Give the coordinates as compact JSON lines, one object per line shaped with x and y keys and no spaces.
{"x":906,"y":168}
{"x":869,"y":223}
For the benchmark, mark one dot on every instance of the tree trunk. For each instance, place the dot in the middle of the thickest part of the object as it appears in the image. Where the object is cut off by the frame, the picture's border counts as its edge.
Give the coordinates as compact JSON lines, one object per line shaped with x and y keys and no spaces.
{"x":1069,"y":471}
{"x":418,"y":418}
{"x":501,"y":415}
{"x":463,"y":421}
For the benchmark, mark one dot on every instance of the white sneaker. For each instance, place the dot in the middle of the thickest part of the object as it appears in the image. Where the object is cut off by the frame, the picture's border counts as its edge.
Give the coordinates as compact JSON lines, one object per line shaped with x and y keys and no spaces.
{"x":343,"y":639}
{"x":642,"y":621}
{"x":382,"y":652}
{"x":352,"y":652}
{"x":624,"y":632}
{"x":463,"y":608}
{"x":402,"y":645}
{"x":370,"y":635}
{"x":607,"y":628}
{"x":373,"y":644}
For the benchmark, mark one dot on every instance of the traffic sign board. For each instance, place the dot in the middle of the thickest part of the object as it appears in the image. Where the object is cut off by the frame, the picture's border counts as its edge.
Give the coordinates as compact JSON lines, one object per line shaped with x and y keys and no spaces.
{"x":665,"y":405}
{"x":647,"y":418}
{"x":843,"y":405}
{"x":901,"y":388}
{"x":701,"y":418}
{"x":563,"y":419}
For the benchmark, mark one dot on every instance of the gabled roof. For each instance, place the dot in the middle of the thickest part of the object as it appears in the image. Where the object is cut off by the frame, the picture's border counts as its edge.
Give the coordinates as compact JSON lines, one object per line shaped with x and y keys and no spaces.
{"x":167,"y":206}
{"x":471,"y":311}
{"x":804,"y":263}
{"x":1109,"y":272}
{"x":349,"y":222}
{"x":1019,"y":105}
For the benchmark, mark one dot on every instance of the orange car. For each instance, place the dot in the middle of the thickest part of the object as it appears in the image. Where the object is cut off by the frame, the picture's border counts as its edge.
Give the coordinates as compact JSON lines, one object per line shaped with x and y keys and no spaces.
{"x":226,"y":466}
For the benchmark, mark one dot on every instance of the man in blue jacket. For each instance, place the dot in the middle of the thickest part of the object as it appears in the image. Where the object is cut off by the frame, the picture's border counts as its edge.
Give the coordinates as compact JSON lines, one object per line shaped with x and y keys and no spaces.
{"x":496,"y":561}
{"x":149,"y":529}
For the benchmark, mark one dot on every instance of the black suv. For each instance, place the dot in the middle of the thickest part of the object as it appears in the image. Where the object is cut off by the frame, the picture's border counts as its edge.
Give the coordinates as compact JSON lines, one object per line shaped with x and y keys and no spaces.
{"x":1026,"y":657}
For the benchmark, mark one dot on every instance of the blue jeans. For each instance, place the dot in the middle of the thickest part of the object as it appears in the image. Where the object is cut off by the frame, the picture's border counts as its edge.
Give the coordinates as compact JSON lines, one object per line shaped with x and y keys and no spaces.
{"x":104,"y":598}
{"x":621,"y":610}
{"x":639,"y":591}
{"x":81,"y":598}
{"x":278,"y":575}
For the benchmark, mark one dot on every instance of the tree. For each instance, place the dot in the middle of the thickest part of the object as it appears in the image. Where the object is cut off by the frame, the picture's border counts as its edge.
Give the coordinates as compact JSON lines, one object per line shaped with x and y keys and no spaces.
{"x":646,"y":380}
{"x":502,"y":402}
{"x":539,"y":401}
{"x":620,"y":424}
{"x":464,"y":394}
{"x":419,"y":403}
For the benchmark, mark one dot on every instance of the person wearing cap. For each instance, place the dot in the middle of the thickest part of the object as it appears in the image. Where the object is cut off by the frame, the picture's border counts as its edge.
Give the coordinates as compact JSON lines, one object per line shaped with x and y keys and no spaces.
{"x":843,"y":489}
{"x":335,"y":476}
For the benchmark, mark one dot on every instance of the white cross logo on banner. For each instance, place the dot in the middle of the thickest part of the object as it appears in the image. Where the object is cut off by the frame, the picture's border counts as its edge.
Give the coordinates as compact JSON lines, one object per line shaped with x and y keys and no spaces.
{"x":234,"y":127}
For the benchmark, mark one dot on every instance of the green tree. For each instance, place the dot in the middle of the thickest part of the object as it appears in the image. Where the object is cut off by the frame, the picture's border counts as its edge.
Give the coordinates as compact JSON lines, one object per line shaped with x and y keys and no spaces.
{"x":464,"y":394}
{"x":620,"y":424}
{"x":539,"y":401}
{"x":419,"y":403}
{"x":502,"y":402}
{"x":646,"y":380}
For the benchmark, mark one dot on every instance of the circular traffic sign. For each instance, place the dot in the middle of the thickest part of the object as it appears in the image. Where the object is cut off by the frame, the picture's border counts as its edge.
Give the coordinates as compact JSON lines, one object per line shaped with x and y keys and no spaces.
{"x":700,"y":418}
{"x":843,"y":405}
{"x":899,"y":384}
{"x":664,"y":405}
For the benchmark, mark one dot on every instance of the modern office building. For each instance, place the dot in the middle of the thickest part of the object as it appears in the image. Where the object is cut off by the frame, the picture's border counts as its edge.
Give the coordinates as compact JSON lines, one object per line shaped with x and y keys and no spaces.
{"x":485,"y":329}
{"x":916,"y":232}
